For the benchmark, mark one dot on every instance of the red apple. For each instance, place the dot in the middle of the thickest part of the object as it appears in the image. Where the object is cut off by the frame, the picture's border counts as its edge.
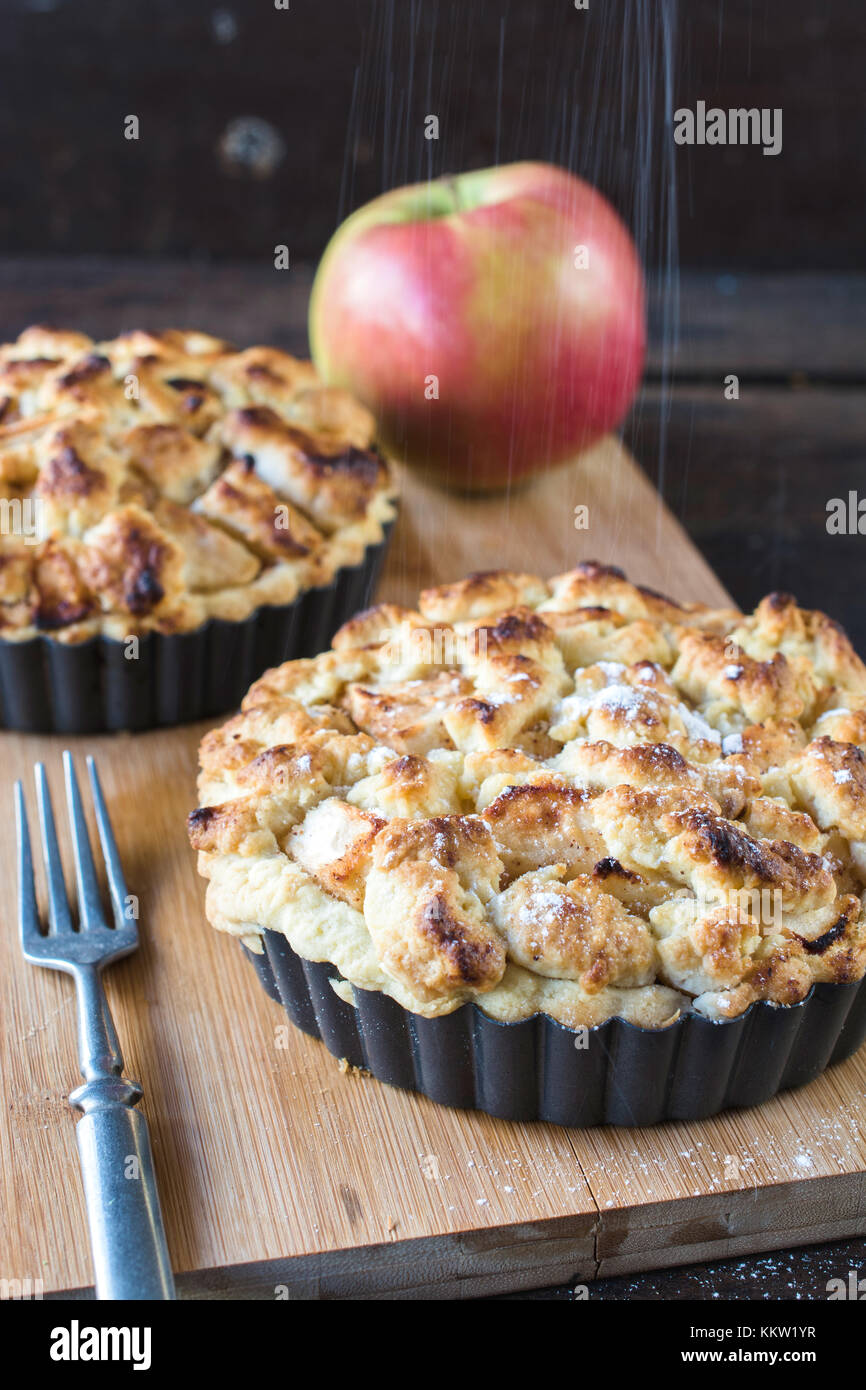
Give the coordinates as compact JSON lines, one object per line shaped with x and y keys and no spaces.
{"x":494,"y":322}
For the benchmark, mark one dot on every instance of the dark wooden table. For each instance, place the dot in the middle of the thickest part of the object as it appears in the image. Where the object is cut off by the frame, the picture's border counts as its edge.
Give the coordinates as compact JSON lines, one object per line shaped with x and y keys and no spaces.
{"x":751,"y":478}
{"x":749,"y":472}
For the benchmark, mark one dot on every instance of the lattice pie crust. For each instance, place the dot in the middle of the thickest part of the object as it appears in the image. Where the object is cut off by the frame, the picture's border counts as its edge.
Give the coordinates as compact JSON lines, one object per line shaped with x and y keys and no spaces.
{"x":153,"y":482}
{"x":574,"y":797}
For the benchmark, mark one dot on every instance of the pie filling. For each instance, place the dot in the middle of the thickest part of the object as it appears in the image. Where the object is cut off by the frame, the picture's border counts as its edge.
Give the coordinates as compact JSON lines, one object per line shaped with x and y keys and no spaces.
{"x":153,"y":482}
{"x":574,"y":797}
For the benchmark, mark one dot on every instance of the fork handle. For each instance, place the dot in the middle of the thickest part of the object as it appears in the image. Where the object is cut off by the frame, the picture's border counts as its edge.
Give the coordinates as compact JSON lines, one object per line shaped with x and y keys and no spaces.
{"x":127,"y":1238}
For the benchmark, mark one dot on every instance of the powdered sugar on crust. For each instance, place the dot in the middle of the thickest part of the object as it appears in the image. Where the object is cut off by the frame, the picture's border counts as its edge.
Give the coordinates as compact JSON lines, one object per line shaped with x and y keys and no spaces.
{"x":576,"y":797}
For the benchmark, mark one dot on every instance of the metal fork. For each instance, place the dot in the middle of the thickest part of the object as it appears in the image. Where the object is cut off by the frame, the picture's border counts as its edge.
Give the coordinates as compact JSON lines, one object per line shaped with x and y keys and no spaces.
{"x":130,"y":1256}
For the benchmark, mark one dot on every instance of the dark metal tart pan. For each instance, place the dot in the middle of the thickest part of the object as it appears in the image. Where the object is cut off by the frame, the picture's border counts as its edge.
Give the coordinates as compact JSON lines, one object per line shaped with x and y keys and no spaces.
{"x":47,"y":686}
{"x":536,"y":1069}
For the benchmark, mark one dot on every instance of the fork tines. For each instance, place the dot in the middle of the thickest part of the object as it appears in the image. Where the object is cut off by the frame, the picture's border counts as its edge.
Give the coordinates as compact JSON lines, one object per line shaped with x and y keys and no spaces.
{"x":90,"y":909}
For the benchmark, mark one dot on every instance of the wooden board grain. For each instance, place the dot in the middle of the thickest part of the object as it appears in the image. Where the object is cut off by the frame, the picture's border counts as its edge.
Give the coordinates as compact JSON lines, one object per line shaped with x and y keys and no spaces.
{"x":279,"y":1173}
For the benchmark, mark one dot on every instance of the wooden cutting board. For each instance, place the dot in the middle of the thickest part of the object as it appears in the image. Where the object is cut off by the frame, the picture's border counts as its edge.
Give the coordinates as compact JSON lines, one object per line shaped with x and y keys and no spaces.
{"x":280,"y":1176}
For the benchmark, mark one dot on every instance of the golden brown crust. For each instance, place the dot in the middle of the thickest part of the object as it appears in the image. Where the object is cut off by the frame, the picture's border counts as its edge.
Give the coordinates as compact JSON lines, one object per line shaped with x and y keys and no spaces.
{"x":829,"y":779}
{"x":383,"y":626}
{"x":79,"y":478}
{"x":427,"y":887}
{"x":803,"y":635}
{"x":577,"y":791}
{"x":174,"y":461}
{"x":539,"y":823}
{"x":60,"y":593}
{"x":481,"y":595}
{"x":182,"y":427}
{"x":605,"y":586}
{"x":575,"y":931}
{"x":334,"y":843}
{"x":132,"y":564}
{"x":719,"y":676}
{"x":331,"y":479}
{"x":214,"y":559}
{"x":240,"y":501}
{"x":407,"y":715}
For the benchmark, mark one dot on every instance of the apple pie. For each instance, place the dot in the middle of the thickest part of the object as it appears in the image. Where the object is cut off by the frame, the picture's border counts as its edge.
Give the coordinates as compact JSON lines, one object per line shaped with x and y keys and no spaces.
{"x":570,"y":797}
{"x":153,"y":482}
{"x":168,"y":489}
